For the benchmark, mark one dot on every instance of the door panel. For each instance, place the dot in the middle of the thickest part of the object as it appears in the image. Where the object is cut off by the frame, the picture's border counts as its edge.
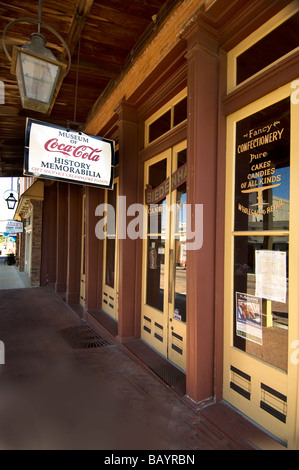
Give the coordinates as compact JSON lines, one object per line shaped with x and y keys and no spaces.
{"x":164,"y":272}
{"x":261,"y":232}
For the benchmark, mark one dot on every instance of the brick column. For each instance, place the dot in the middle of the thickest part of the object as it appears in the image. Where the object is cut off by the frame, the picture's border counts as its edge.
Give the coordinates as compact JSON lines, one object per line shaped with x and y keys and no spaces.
{"x":36,"y":242}
{"x":202,"y":67}
{"x":22,"y":250}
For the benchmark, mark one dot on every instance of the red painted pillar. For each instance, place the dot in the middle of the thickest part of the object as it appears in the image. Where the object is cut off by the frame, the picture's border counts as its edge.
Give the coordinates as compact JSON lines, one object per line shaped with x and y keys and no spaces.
{"x":202,"y":66}
{"x":48,"y":257}
{"x":74,"y":221}
{"x":128,"y":180}
{"x":61,"y":234}
{"x":93,"y":266}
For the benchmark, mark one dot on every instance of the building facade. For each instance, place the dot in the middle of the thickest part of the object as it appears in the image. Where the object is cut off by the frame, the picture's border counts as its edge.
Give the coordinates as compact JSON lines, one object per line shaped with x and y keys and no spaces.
{"x":204,"y":120}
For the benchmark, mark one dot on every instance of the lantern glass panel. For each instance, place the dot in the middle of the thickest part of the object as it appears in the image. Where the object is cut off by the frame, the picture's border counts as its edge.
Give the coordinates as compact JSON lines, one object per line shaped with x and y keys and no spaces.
{"x":39,"y":77}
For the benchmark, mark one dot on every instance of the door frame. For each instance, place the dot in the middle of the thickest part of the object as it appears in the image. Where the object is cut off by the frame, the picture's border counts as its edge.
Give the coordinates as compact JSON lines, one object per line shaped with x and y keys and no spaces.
{"x":160,"y":329}
{"x":256,"y":370}
{"x":110,"y":294}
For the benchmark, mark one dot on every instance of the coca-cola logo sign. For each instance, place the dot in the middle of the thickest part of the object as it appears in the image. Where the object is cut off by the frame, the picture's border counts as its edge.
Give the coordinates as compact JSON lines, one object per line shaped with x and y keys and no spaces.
{"x":81,"y":151}
{"x":53,"y":152}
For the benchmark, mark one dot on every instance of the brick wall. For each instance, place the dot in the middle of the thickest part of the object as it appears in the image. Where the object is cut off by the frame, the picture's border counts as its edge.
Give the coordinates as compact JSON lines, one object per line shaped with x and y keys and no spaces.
{"x":36,"y":243}
{"x":159,"y":46}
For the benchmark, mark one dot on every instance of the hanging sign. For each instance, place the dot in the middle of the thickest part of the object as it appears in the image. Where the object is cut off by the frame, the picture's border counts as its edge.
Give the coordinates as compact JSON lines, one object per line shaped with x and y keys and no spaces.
{"x":53,"y":152}
{"x":11,"y":227}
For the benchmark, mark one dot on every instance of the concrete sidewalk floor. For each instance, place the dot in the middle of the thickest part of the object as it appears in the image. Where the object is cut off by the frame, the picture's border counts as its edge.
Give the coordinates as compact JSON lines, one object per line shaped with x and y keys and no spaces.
{"x":56,"y":392}
{"x":11,"y":277}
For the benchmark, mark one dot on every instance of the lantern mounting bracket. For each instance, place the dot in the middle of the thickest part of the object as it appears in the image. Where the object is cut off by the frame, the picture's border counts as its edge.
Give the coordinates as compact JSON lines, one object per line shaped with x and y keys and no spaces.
{"x":40,"y":23}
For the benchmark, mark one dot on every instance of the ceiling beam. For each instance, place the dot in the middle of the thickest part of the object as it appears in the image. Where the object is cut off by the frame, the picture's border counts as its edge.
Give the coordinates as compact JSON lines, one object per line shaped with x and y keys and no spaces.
{"x":77,"y":23}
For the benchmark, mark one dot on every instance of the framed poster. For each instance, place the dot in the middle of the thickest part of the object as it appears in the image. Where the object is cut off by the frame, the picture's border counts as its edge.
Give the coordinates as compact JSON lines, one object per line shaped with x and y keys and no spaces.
{"x":249,"y":317}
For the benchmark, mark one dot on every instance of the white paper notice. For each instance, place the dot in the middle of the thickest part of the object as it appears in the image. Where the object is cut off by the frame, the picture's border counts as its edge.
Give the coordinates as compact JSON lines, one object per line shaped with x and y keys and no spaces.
{"x":271,"y":275}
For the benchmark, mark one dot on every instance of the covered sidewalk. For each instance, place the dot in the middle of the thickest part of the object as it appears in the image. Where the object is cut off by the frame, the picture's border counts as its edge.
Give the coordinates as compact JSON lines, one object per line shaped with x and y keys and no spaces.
{"x":11,"y":277}
{"x":65,"y":386}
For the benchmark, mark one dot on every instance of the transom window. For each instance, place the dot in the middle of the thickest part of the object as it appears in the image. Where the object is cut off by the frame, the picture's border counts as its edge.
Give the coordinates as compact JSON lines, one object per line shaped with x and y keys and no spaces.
{"x":167,"y":118}
{"x":272,"y":42}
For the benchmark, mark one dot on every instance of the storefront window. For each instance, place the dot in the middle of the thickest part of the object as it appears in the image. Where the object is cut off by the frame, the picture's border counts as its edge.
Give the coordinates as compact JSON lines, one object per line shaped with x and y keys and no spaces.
{"x":261,"y":297}
{"x":262,"y":173}
{"x":261,"y":242}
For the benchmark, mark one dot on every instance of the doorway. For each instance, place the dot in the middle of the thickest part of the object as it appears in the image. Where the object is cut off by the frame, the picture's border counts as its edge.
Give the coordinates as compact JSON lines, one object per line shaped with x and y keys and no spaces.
{"x":164,"y":255}
{"x":261,"y":269}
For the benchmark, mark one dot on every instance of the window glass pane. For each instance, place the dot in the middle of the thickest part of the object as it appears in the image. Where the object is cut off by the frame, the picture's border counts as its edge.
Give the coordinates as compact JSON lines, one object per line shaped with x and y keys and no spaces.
{"x":111,"y":198}
{"x":180,"y":244}
{"x":180,"y":253}
{"x":276,"y":44}
{"x":155,"y":273}
{"x":180,"y":112}
{"x":158,"y":189}
{"x":160,"y":126}
{"x":110,"y":240}
{"x":261,"y":298}
{"x":110,"y":262}
{"x":262,"y":171}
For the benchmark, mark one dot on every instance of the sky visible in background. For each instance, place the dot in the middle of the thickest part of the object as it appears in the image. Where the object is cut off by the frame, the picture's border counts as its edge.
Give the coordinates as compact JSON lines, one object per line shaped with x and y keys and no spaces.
{"x":5,"y":187}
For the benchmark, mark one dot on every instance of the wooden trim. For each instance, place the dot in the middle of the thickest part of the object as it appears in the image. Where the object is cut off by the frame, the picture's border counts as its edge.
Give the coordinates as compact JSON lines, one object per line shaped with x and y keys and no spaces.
{"x":170,"y":139}
{"x":283,"y":71}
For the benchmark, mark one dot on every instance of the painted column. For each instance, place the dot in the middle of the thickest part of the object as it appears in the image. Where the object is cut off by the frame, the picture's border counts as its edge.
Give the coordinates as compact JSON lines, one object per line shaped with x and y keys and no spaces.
{"x":128,"y":180}
{"x":48,"y":261}
{"x":61,"y":233}
{"x":93,"y":267}
{"x":202,"y":66}
{"x":73,"y":245}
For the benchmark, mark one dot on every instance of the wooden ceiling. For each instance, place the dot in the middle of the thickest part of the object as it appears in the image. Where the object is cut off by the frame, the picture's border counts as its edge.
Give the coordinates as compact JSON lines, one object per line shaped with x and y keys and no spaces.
{"x":108,"y":31}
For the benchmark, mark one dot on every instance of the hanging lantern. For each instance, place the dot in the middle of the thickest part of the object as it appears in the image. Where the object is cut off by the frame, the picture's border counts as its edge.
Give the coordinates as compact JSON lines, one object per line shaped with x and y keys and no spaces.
{"x":11,"y":201}
{"x":39,"y":74}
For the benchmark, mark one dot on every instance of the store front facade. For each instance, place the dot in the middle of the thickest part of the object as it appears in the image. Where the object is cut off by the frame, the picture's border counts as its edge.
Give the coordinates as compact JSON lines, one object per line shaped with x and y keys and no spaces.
{"x":206,"y":143}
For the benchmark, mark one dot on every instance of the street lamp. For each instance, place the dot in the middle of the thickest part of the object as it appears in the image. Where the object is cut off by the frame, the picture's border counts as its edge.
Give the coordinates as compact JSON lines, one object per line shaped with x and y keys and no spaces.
{"x":11,"y":201}
{"x":39,"y":74}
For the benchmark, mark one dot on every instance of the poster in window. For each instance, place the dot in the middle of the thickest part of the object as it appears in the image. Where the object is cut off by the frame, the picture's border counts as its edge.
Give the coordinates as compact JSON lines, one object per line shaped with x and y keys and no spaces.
{"x":271,"y":275}
{"x":249,"y":317}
